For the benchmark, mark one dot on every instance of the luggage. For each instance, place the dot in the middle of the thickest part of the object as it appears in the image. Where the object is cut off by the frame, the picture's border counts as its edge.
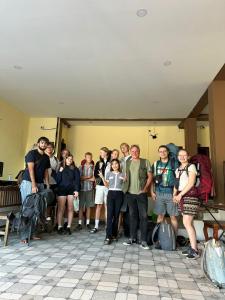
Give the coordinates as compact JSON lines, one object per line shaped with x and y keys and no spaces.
{"x":166,"y":236}
{"x":48,"y":196}
{"x":150,"y":229}
{"x":32,"y":212}
{"x":213,"y":262}
{"x":204,"y":180}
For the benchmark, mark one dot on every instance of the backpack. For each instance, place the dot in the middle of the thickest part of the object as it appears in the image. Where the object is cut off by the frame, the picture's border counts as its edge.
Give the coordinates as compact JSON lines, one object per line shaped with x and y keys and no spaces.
{"x":150,"y":229}
{"x":166,"y":236}
{"x":204,"y":179}
{"x":213,"y":262}
{"x":173,"y":151}
{"x":32,"y":211}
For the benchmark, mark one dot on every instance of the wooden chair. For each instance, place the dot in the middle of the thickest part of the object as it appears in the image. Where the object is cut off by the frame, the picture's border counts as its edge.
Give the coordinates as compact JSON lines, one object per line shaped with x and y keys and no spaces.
{"x":5,"y":233}
{"x":215,"y":226}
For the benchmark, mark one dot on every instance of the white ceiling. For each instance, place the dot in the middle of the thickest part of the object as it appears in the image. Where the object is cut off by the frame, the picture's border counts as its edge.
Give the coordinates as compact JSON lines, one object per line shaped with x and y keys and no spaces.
{"x":103,"y":61}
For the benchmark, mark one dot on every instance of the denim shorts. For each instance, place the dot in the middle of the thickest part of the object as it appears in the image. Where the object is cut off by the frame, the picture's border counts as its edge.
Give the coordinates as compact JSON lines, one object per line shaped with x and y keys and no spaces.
{"x":164,"y":204}
{"x":26,"y":188}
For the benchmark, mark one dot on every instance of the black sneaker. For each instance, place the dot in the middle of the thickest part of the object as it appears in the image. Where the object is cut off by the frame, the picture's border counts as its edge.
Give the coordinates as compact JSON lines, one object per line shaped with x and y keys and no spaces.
{"x":107,"y":241}
{"x":130,"y":242}
{"x":88,"y":226}
{"x":193,"y":254}
{"x":94,"y":230}
{"x":186,"y":252}
{"x":60,"y":230}
{"x":68,"y":231}
{"x":65,"y":225}
{"x":79,"y":227}
{"x":114,"y":239}
{"x":145,"y":246}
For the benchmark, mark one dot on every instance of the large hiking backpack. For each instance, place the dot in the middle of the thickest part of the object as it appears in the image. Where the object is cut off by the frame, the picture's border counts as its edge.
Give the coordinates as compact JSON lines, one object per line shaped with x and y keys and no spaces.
{"x":32,"y":211}
{"x":204,"y":180}
{"x":213,"y":262}
{"x":49,"y":197}
{"x":173,"y":151}
{"x":166,"y":236}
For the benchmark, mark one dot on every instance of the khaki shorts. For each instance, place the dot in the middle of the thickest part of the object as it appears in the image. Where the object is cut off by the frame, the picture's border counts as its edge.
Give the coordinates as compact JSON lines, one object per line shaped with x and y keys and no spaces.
{"x":101,"y":194}
{"x":86,"y":199}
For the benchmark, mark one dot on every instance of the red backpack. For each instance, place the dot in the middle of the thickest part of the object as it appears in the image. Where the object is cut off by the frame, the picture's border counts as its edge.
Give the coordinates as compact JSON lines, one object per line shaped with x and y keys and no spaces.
{"x":204,"y":180}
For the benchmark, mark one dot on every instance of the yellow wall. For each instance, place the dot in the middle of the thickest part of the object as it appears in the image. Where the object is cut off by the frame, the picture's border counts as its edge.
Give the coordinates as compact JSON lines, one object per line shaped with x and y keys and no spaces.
{"x":91,"y":138}
{"x":35,"y":130}
{"x":13,"y":135}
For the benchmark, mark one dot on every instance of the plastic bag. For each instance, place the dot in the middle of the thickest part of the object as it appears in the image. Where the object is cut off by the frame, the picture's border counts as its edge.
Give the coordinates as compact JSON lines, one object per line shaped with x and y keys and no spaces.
{"x":76,"y":204}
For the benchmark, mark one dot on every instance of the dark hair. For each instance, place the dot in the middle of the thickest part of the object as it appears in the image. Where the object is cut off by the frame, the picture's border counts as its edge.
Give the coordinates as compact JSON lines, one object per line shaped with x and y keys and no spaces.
{"x":165,"y":147}
{"x":44,"y":139}
{"x":88,"y":153}
{"x":135,"y":146}
{"x":116,"y":160}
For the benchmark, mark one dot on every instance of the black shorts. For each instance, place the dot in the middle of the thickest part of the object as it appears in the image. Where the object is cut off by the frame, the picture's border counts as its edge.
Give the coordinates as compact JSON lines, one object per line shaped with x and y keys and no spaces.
{"x":65,"y":191}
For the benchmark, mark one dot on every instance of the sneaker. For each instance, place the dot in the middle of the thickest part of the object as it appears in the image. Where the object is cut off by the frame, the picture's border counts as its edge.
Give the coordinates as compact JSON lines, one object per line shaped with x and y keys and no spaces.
{"x":94,"y":230}
{"x":193,"y":254}
{"x":79,"y":227}
{"x":129,"y":242}
{"x":158,"y":246}
{"x":65,"y":225}
{"x":107,"y":241}
{"x":60,"y":230}
{"x":145,"y":246}
{"x":68,"y":231}
{"x":114,"y":239}
{"x":88,"y":226}
{"x":186,"y":252}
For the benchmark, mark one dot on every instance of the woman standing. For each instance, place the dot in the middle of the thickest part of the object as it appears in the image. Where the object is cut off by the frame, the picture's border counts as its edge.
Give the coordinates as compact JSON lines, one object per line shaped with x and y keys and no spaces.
{"x":68,"y":180}
{"x":185,"y":194}
{"x":114,"y":181}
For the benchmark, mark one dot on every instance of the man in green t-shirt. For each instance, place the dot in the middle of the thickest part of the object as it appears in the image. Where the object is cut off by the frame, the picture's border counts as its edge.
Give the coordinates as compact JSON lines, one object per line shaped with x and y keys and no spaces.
{"x":138,"y":181}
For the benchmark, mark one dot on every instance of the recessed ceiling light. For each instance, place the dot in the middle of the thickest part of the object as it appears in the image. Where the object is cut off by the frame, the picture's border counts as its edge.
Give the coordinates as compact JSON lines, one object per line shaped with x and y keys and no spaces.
{"x":167,"y":63}
{"x":17,"y":67}
{"x":142,"y":12}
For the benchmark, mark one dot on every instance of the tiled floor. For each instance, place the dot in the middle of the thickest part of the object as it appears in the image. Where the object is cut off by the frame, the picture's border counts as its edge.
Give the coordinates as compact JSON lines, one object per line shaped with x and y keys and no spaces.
{"x":81,"y":267}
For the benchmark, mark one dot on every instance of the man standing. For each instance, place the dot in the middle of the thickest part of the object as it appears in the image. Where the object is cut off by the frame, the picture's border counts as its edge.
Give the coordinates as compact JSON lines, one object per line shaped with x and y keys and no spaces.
{"x":138,"y":181}
{"x":162,"y":187}
{"x":36,"y":172}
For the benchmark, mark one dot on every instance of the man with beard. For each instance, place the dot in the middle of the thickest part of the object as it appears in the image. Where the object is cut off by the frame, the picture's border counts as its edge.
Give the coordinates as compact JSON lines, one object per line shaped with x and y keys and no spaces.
{"x":36,"y":171}
{"x":35,"y":174}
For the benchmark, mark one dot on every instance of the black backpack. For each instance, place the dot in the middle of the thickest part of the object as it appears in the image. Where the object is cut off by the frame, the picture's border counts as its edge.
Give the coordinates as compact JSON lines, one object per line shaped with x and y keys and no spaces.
{"x":32,"y":212}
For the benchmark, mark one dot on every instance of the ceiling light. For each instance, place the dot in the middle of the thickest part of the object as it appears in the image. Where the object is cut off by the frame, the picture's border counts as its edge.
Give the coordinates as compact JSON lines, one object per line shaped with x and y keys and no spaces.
{"x":17,"y":67}
{"x":167,"y":63}
{"x":142,"y":12}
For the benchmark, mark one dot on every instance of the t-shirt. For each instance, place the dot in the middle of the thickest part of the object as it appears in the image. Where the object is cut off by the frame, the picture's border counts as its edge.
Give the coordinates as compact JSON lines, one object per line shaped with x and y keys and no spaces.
{"x":85,"y":170}
{"x":134,"y":186}
{"x":123,"y":162}
{"x":183,"y":175}
{"x":115,"y":181}
{"x":41,"y":163}
{"x":167,"y":170}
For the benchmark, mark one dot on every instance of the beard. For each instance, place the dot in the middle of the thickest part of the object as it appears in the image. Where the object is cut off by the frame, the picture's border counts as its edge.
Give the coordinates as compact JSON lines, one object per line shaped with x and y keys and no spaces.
{"x":42,"y":148}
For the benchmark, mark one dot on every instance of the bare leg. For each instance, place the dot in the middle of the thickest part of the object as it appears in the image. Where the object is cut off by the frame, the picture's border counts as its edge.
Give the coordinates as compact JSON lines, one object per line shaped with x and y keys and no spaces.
{"x":174,"y":223}
{"x":70,"y":209}
{"x":61,"y":208}
{"x":160,"y":218}
{"x":188,"y":224}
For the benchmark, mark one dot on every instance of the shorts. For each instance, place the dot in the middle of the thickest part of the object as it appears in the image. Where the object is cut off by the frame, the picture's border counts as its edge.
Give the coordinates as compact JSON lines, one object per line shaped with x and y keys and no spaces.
{"x":86,"y":199}
{"x":164,"y":204}
{"x":189,"y":206}
{"x":101,"y":194}
{"x":65,"y":191}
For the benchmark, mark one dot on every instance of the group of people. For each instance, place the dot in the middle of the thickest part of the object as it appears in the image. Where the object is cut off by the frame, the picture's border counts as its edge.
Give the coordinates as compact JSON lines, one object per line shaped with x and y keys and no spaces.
{"x":122,"y":185}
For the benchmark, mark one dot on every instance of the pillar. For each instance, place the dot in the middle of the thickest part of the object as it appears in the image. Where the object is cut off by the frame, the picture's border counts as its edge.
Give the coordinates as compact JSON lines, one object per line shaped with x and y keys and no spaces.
{"x":190,"y":134}
{"x":216,"y":100}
